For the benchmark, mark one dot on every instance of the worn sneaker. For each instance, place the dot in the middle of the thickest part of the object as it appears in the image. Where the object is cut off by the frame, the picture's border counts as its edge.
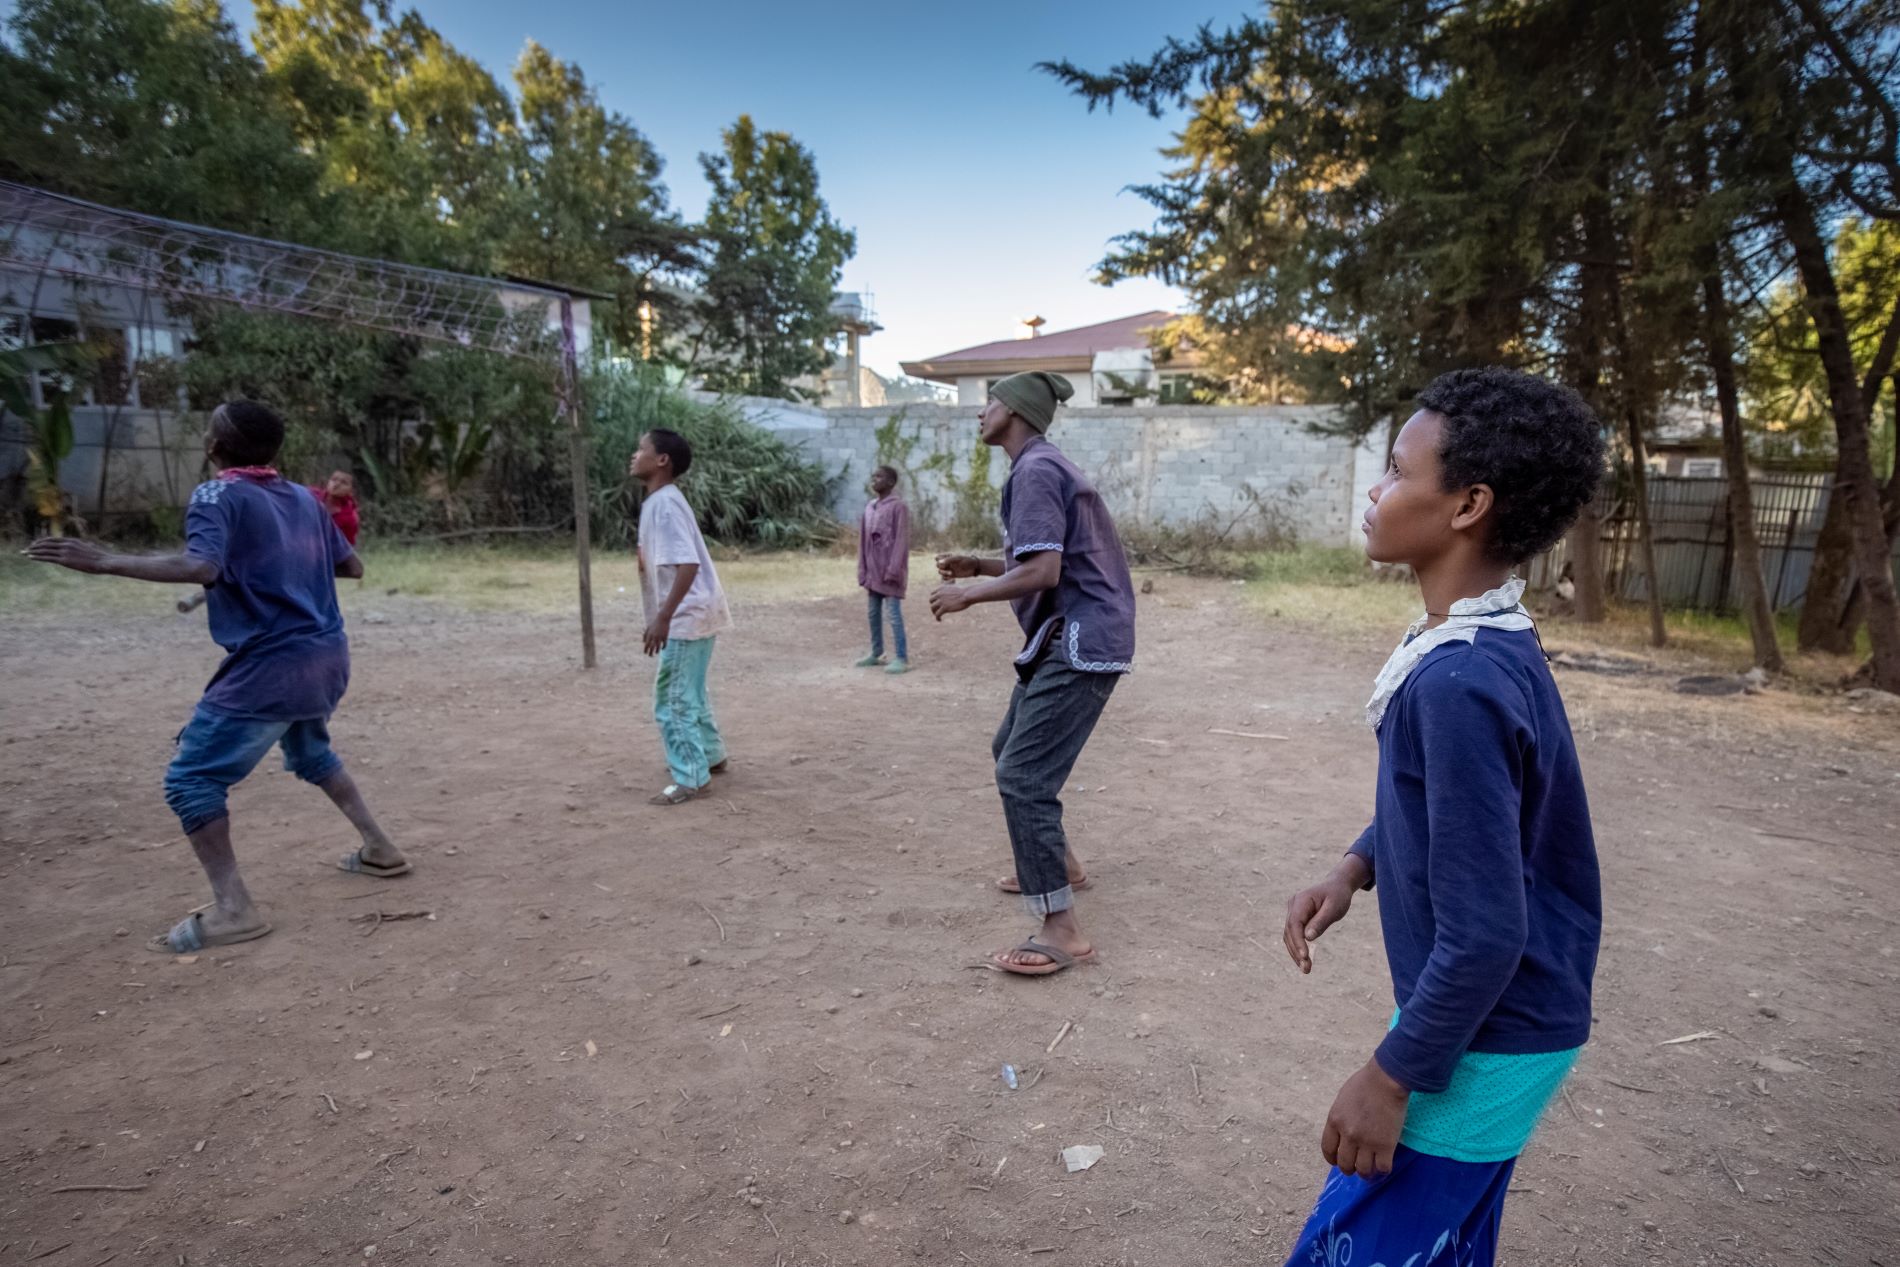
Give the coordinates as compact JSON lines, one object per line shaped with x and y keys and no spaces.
{"x":898,"y":666}
{"x":868,"y":662}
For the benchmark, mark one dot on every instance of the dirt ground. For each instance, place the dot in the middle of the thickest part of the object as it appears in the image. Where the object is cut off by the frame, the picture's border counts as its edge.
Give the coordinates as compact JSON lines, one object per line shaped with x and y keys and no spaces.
{"x":620,"y":1024}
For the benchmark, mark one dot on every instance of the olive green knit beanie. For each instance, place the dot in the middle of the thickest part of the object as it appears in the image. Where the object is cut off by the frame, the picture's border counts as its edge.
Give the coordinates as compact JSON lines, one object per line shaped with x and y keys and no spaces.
{"x":1033,"y":397}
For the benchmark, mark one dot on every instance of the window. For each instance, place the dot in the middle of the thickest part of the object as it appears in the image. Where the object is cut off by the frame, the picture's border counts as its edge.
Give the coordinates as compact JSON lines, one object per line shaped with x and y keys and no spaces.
{"x":111,"y":375}
{"x":1181,"y":388}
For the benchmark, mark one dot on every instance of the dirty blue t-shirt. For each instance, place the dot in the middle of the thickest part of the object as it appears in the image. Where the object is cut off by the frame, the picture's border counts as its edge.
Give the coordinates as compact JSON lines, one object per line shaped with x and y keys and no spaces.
{"x":1048,"y":504}
{"x":273,"y":607}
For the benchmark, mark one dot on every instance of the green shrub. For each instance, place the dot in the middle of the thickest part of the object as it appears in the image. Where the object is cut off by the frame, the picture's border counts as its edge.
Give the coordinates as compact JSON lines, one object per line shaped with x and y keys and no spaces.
{"x":746,"y":485}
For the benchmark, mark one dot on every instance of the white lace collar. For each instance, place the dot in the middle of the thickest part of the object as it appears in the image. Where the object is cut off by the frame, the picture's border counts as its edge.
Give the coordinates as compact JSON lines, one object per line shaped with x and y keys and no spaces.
{"x":1500,"y":608}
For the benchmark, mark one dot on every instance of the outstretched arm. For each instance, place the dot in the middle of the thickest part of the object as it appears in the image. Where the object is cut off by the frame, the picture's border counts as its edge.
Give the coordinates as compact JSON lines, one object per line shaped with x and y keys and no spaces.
{"x":93,"y":558}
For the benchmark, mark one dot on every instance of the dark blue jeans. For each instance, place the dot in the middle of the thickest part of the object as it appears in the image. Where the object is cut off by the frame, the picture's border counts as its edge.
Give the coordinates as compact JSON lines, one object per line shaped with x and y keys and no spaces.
{"x":216,"y":751}
{"x":879,"y":605}
{"x":1052,"y":713}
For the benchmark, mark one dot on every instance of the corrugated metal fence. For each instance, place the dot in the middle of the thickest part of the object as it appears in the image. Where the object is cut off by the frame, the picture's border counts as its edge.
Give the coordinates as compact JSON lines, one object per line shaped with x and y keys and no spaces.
{"x":1695,"y":546}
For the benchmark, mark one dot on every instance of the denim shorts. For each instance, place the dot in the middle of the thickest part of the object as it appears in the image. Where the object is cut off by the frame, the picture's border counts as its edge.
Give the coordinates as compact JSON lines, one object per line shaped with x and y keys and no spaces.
{"x":217,"y":750}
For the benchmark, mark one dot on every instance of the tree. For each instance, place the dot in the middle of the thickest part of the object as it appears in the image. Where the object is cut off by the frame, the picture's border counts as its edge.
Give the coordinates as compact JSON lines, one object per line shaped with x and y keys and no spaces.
{"x":415,"y":138}
{"x":156,"y":107}
{"x":589,"y":206}
{"x":773,"y":258}
{"x":1820,"y":131}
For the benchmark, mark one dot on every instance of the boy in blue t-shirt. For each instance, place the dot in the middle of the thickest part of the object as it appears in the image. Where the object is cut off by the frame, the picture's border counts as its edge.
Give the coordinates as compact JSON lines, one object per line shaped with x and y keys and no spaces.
{"x":1480,"y":840}
{"x":268,"y":556}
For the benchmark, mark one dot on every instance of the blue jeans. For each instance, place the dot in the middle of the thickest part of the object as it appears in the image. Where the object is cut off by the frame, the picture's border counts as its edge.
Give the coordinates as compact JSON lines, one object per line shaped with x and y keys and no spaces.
{"x":216,"y":751}
{"x":1052,"y":713}
{"x":879,"y":605}
{"x":680,"y":705}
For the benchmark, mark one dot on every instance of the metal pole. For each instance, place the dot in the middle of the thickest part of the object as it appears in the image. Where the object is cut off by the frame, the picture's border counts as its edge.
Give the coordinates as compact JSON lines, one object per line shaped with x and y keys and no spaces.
{"x":577,"y":452}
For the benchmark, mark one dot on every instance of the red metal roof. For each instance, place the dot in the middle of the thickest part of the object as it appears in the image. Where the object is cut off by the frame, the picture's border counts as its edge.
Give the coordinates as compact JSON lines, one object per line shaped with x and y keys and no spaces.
{"x":1124,"y":332}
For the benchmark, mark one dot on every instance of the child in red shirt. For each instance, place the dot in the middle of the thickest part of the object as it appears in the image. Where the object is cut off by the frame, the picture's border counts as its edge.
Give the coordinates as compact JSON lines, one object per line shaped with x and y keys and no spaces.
{"x":338,"y":495}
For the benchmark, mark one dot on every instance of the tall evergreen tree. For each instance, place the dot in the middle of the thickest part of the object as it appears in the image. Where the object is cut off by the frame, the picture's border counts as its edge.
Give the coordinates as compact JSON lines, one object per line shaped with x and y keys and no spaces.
{"x":773,"y":258}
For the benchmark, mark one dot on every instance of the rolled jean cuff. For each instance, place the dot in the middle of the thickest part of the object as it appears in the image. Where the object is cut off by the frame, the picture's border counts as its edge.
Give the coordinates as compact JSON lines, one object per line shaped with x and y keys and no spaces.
{"x":191,"y":820}
{"x":1050,"y":903}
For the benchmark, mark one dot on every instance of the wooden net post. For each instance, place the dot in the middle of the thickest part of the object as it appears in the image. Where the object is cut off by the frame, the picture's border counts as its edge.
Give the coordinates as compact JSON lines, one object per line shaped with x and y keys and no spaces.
{"x":577,"y":456}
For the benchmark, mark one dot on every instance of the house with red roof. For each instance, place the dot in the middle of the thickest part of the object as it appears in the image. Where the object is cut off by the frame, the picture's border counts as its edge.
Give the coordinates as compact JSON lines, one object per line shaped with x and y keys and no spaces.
{"x":1110,"y":363}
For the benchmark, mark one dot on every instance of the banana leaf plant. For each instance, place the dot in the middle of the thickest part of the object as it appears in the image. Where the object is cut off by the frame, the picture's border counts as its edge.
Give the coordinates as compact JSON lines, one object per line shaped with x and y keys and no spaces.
{"x":61,"y":367}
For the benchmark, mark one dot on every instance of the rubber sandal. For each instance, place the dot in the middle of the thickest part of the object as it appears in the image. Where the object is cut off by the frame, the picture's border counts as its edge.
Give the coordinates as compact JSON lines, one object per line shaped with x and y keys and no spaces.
{"x":1059,"y":960}
{"x":188,"y":937}
{"x":721,"y":768}
{"x":1008,"y":884}
{"x":357,"y":864}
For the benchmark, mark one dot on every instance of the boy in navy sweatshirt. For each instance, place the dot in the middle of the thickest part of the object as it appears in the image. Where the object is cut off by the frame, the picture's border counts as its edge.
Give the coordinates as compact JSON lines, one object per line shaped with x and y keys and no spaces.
{"x":1480,"y":841}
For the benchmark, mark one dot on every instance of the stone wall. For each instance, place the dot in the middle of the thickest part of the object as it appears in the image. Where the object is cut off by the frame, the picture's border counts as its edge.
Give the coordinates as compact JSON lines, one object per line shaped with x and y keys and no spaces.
{"x":1155,"y":464}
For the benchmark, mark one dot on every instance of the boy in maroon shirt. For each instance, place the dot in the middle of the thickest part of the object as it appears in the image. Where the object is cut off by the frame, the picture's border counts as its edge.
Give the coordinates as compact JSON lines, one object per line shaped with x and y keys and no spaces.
{"x":884,"y":567}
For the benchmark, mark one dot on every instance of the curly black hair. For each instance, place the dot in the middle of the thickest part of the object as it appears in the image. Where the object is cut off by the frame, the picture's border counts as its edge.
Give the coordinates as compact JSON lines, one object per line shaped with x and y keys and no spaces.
{"x":246,"y":433}
{"x":672,"y":446}
{"x":1534,"y":443}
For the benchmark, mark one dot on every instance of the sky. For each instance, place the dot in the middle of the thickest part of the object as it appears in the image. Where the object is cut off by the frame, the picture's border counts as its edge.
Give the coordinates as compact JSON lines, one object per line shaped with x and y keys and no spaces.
{"x":981,"y":191}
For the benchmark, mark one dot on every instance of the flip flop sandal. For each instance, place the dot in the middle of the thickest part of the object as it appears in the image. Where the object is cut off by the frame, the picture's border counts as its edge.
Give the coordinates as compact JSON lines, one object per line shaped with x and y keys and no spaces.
{"x":1059,"y":959}
{"x":357,"y":864}
{"x":674,"y":794}
{"x":721,"y":768}
{"x":188,"y":937}
{"x":1009,"y":884}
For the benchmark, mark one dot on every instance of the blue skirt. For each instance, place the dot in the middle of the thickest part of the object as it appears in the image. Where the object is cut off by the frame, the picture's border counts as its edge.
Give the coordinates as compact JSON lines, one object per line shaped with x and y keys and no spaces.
{"x":1429,"y":1210}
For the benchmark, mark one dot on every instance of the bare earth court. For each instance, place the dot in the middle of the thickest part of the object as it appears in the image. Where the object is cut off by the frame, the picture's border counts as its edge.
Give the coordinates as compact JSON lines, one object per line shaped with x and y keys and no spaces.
{"x":753,"y":1029}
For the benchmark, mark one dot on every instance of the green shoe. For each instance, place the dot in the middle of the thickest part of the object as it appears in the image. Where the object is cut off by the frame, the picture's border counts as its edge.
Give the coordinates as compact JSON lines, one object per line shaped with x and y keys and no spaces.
{"x":868,"y":662}
{"x":898,"y":666}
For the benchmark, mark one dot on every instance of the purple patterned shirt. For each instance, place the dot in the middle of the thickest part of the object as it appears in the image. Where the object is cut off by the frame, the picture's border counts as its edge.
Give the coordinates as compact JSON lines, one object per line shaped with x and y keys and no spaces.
{"x":1048,"y":504}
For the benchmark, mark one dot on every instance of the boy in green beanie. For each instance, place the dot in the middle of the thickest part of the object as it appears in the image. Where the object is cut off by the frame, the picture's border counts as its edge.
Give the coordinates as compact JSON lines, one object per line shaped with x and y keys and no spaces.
{"x":1064,"y":573}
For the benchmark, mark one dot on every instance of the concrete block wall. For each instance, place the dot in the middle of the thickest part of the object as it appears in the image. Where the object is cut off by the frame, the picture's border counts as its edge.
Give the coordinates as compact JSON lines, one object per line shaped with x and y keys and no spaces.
{"x":1156,"y":465}
{"x":156,"y":459}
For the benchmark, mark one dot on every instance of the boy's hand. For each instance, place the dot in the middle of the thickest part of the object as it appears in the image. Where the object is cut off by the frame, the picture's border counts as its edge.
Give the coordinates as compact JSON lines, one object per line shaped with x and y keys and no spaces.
{"x":1312,"y":911}
{"x":953,"y":567}
{"x":1363,"y":1126}
{"x":68,"y":552}
{"x":946,"y":599}
{"x":657,"y":633}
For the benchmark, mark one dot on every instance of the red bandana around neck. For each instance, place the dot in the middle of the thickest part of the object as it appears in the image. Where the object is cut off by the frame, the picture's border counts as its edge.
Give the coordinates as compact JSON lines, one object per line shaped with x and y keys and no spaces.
{"x":259,"y":474}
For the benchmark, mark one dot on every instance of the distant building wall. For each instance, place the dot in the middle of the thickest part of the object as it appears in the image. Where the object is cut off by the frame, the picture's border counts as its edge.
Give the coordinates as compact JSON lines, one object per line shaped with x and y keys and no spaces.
{"x":1154,"y":464}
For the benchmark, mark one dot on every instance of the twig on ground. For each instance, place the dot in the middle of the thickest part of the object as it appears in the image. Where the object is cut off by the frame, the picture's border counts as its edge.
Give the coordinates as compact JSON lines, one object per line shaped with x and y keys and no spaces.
{"x":1571,"y":1104}
{"x":1631,"y":1086}
{"x":1247,"y":734}
{"x":1723,"y":1163}
{"x":714,"y":918}
{"x":707,"y":1016}
{"x":327,"y":1100}
{"x":1193,"y":1069}
{"x":103,"y":1187}
{"x":1060,"y":1035}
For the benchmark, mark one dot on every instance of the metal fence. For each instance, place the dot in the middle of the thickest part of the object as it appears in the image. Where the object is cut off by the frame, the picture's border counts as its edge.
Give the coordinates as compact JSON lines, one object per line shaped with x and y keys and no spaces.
{"x":1695,"y":542}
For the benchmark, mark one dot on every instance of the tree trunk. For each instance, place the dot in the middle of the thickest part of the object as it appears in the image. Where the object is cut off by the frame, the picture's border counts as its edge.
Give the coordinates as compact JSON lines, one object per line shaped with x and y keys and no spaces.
{"x":1586,"y":372}
{"x":1854,"y":482}
{"x":1635,"y":397}
{"x":1823,"y":624}
{"x":1741,"y":495}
